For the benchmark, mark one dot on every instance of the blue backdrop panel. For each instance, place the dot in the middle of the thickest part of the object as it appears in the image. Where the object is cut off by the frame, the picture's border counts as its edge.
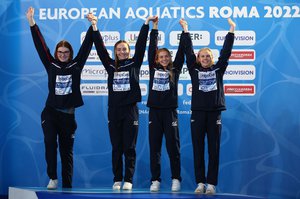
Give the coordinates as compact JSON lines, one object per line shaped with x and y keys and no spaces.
{"x":260,"y":151}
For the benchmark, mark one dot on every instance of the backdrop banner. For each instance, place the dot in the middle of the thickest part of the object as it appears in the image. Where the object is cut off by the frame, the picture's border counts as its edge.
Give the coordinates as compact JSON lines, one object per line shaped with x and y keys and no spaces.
{"x":260,"y":150}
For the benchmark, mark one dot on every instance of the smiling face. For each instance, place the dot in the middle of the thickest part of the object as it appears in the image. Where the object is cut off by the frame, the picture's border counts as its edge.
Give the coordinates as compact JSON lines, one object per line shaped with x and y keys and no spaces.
{"x":63,"y":51}
{"x":205,"y":58}
{"x":63,"y":54}
{"x":122,"y":51}
{"x":163,"y":57}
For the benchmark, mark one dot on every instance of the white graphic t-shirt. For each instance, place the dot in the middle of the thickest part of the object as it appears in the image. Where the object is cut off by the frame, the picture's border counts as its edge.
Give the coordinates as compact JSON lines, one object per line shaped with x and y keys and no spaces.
{"x":121,"y":81}
{"x":63,"y":85}
{"x":161,"y":81}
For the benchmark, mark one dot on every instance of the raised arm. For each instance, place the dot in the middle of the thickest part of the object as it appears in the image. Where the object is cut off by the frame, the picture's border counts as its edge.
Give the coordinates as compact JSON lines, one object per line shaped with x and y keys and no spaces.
{"x":38,"y":39}
{"x":227,"y":46}
{"x":153,"y":43}
{"x":86,"y":45}
{"x":179,"y":58}
{"x":187,"y":44}
{"x":99,"y":44}
{"x":140,"y":45}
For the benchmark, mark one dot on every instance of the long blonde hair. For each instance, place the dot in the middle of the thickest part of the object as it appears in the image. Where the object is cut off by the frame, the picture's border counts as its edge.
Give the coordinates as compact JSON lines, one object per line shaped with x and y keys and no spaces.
{"x":209,"y":51}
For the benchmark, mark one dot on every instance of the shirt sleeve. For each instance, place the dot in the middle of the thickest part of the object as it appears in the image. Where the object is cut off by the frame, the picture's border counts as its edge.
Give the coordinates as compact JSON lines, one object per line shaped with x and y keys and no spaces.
{"x":152,"y":47}
{"x":41,"y":46}
{"x":179,"y":58}
{"x":85,"y":48}
{"x":225,"y":52}
{"x":140,"y":45}
{"x":188,"y":50}
{"x":101,"y":49}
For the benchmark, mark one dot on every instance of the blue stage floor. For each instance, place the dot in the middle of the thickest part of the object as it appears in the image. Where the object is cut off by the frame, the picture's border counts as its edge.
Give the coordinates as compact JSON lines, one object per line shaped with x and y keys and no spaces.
{"x":42,"y":193}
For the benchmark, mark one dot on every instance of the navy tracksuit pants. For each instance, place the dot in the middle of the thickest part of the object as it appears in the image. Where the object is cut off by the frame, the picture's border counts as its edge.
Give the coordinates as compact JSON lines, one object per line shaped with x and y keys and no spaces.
{"x":164,"y":122}
{"x":59,"y":126}
{"x":206,"y":123}
{"x":123,"y":130}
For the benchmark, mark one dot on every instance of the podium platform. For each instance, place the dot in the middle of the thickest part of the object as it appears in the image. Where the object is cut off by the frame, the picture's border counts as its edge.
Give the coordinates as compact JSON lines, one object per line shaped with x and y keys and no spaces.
{"x":43,"y":193}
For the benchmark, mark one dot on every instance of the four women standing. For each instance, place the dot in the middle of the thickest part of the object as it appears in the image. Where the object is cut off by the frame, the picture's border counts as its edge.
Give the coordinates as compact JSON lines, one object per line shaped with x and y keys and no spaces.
{"x":123,"y":94}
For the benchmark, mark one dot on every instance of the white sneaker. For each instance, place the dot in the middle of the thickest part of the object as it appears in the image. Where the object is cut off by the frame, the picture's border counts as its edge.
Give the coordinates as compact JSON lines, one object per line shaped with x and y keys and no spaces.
{"x":200,"y":188}
{"x":117,"y":185}
{"x":155,"y":186}
{"x":175,"y":185}
{"x":52,"y":184}
{"x":127,"y":186}
{"x":211,"y":189}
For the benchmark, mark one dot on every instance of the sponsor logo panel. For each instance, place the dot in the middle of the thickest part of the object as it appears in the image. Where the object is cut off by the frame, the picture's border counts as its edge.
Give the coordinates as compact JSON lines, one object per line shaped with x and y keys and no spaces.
{"x":242,"y":55}
{"x":94,"y":72}
{"x":144,"y":72}
{"x":180,"y":89}
{"x":144,"y":89}
{"x":241,"y":38}
{"x":93,"y":56}
{"x":109,"y":37}
{"x":94,"y":89}
{"x":189,"y":89}
{"x":199,"y":38}
{"x":184,"y":75}
{"x":132,"y":36}
{"x":239,"y":89}
{"x":240,"y":72}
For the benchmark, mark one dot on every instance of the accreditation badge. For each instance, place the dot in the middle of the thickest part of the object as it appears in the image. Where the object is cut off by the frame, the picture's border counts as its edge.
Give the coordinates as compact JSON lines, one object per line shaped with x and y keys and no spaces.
{"x":121,"y":81}
{"x":161,"y":81}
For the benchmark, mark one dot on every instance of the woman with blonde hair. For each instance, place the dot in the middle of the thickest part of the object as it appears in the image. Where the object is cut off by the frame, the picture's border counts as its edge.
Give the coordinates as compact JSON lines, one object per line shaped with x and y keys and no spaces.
{"x":208,"y":101}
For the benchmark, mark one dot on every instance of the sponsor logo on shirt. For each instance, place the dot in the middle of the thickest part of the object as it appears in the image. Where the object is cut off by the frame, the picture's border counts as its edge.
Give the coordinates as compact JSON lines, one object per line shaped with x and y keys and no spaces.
{"x":63,"y":84}
{"x":121,"y":81}
{"x":161,"y":81}
{"x":207,"y":81}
